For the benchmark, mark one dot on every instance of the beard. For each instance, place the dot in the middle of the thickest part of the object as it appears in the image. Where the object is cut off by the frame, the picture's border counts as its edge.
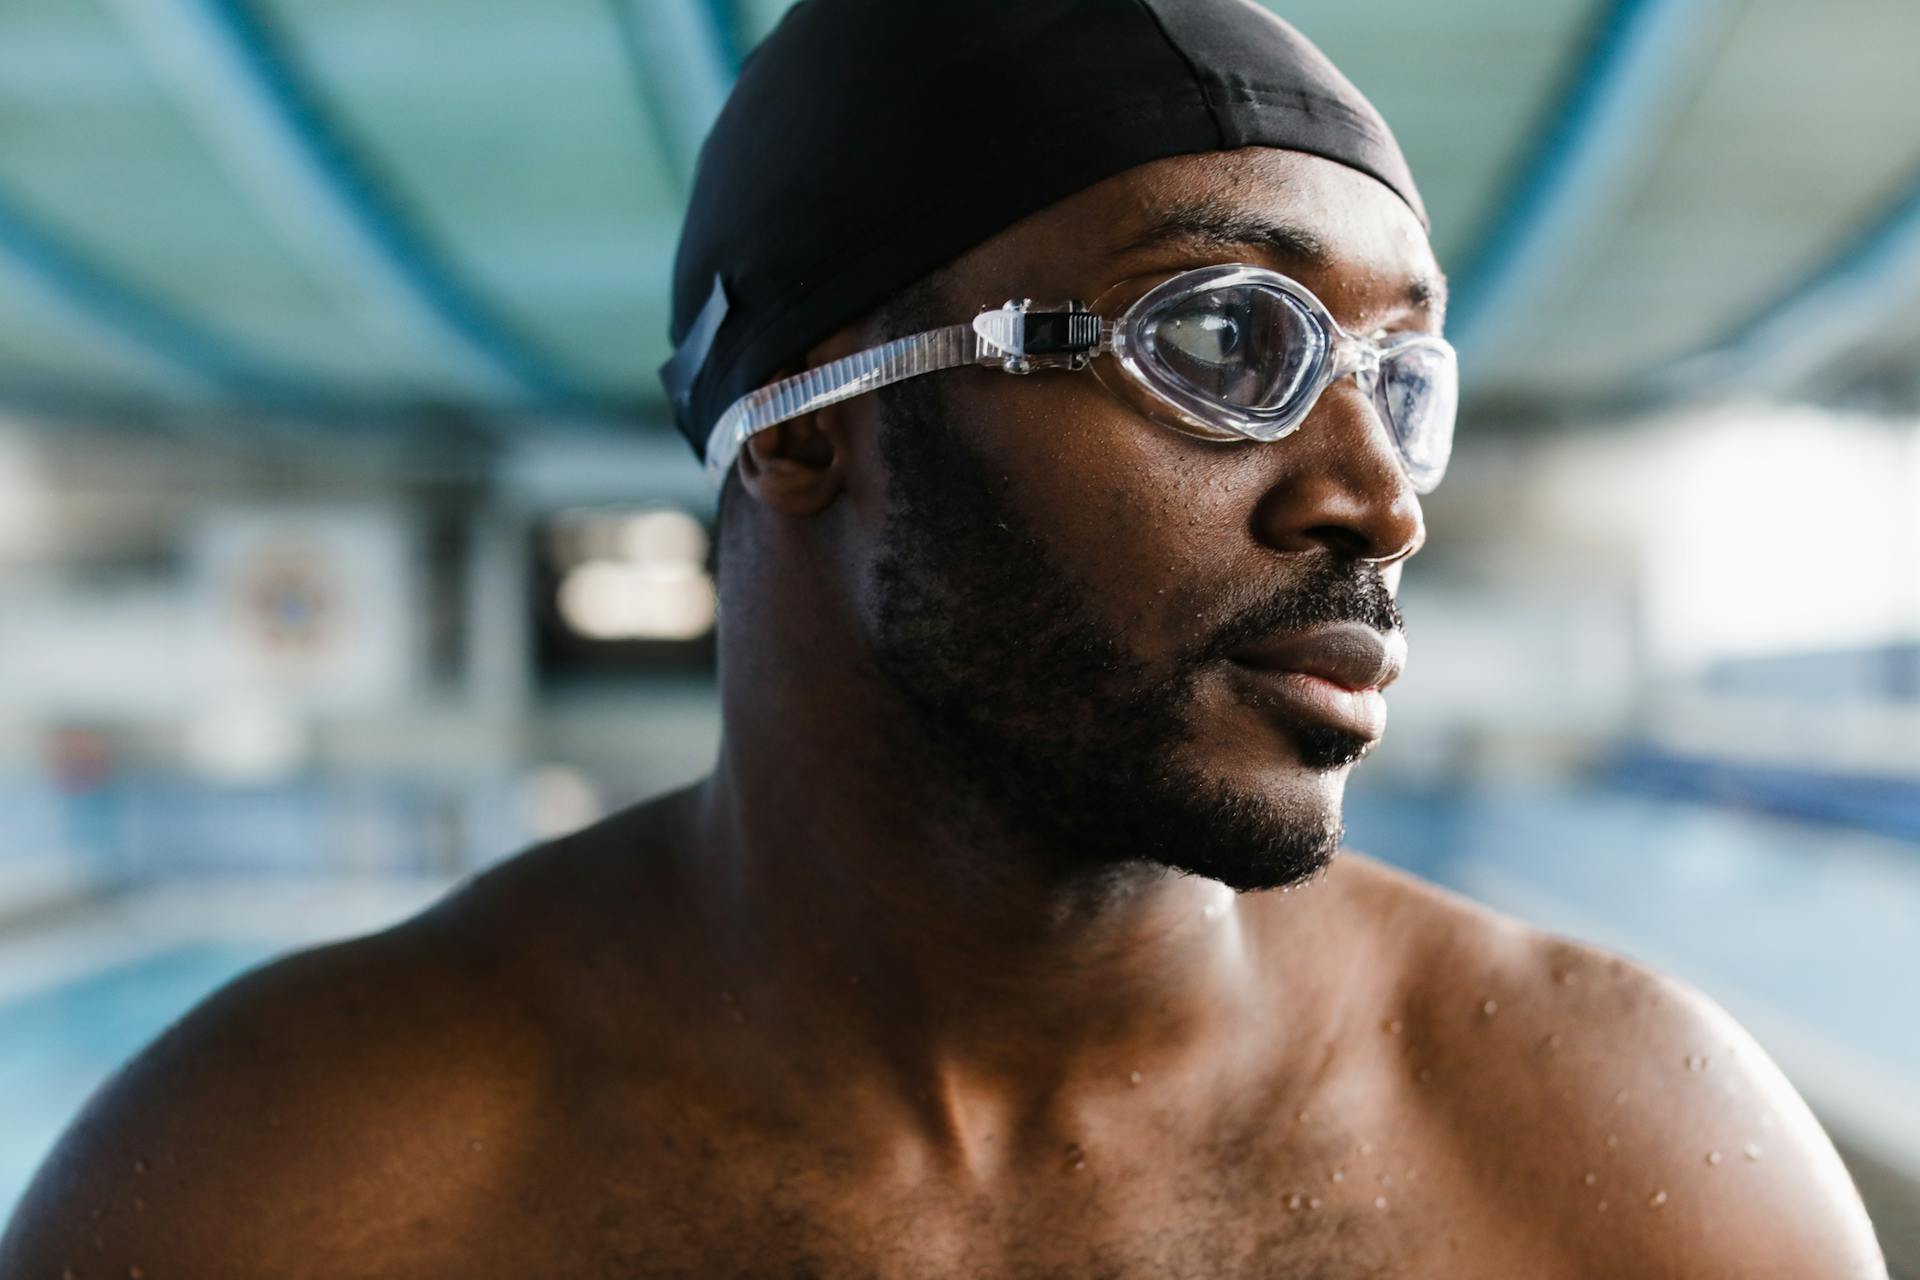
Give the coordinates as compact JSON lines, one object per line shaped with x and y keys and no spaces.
{"x":1042,"y":722}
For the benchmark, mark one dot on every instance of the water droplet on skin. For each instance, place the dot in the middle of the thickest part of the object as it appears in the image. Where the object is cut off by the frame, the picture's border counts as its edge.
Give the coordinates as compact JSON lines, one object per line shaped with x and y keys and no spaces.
{"x":1601,"y":1207}
{"x":1591,"y":1178}
{"x":1079,"y":1164}
{"x":1314,"y":1203}
{"x":1295,"y":1200}
{"x":1301,"y":1117}
{"x":68,"y":1273}
{"x":1337,"y":1176}
{"x":1613,"y":1139}
{"x":135,"y":1273}
{"x":476,"y":1145}
{"x":1366,"y":1148}
{"x":1713,"y":1157}
{"x":1133,"y":1078}
{"x":1490,"y":1008}
{"x":1751,"y":1151}
{"x":1386,"y":1179}
{"x":1565,"y":977}
{"x":139,"y":1164}
{"x":1426,"y":1074}
{"x":1656,"y":1200}
{"x":1393,"y":1026}
{"x":1553,"y":1041}
{"x":1379,"y":1202}
{"x":1696,"y":1062}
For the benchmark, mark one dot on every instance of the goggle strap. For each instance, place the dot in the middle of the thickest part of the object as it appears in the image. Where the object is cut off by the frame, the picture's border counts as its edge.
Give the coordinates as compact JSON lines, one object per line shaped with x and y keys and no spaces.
{"x":838,"y":380}
{"x":1014,"y":336}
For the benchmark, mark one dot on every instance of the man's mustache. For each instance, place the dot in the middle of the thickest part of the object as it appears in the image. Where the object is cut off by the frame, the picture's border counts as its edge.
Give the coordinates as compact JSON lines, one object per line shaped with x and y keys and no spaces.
{"x":1332,"y":591}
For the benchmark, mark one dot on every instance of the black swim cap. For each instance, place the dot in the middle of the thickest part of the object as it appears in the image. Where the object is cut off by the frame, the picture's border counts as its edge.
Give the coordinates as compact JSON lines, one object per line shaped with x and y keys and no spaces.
{"x":870,"y":142}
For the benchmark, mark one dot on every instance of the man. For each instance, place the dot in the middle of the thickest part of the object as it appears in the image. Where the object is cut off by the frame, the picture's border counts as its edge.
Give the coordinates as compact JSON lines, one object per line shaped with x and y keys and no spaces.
{"x":962,"y":961}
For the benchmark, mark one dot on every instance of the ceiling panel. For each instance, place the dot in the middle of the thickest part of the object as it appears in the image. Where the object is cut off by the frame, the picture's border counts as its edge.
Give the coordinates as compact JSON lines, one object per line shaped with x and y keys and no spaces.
{"x":525,"y":155}
{"x":520,"y":171}
{"x":101,"y":155}
{"x":1799,"y":131}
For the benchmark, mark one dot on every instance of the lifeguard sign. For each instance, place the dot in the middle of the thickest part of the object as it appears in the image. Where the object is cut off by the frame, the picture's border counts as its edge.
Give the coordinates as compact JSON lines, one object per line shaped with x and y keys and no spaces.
{"x":315,"y":606}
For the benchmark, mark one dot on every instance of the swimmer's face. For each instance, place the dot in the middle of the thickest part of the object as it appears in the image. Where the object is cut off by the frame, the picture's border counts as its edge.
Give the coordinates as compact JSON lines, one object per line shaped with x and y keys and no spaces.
{"x":1066,"y":593}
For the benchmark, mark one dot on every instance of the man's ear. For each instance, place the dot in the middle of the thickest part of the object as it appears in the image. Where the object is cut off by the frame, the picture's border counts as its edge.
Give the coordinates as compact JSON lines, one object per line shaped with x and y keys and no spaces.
{"x":798,"y":467}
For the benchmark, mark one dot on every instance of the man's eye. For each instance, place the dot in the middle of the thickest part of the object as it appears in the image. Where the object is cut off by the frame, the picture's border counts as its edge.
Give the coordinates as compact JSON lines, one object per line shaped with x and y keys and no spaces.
{"x":1212,"y":337}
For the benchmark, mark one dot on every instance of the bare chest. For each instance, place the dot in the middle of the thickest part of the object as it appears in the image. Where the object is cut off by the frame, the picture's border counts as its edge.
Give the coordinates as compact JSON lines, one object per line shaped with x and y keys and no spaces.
{"x":844,"y":1215}
{"x":980,"y":1241}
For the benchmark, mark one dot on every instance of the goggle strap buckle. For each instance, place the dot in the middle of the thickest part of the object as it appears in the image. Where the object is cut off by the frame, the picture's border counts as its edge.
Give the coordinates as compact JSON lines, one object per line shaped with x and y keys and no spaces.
{"x":1021,"y":338}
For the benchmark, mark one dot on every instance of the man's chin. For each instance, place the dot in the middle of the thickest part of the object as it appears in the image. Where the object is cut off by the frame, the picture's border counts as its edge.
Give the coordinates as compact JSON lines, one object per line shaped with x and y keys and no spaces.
{"x":1265,"y":829}
{"x":1325,"y":749}
{"x":1244,"y":869}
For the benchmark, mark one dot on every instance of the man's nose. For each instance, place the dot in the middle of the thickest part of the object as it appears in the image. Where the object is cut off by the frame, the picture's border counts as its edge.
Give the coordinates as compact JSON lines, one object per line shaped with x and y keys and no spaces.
{"x":1338,"y":485}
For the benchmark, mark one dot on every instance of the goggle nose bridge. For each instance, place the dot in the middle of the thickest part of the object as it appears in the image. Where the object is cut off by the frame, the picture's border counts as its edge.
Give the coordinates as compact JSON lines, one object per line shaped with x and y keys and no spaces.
{"x":1354,"y":356}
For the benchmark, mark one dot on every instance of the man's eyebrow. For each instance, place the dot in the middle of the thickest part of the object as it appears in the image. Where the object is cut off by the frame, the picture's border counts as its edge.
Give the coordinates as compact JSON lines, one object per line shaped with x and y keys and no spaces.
{"x":1209,"y":226}
{"x":1428,"y":293}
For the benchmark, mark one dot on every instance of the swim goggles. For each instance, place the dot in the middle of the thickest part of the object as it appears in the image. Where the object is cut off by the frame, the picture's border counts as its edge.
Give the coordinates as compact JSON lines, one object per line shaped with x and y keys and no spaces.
{"x":1231,"y":352}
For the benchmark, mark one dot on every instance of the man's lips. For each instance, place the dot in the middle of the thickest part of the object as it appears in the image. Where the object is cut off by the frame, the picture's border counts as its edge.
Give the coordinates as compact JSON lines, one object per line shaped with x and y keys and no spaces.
{"x":1349,"y":654}
{"x":1333,"y":674}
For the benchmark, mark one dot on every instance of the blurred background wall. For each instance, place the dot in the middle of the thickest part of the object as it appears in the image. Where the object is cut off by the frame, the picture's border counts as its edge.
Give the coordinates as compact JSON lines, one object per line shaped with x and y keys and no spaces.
{"x":344,"y":545}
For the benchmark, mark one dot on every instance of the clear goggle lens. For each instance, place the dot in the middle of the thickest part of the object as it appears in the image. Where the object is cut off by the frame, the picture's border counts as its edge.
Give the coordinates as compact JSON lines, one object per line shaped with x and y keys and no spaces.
{"x":1245,"y":346}
{"x":1239,"y":352}
{"x":1417,"y":390}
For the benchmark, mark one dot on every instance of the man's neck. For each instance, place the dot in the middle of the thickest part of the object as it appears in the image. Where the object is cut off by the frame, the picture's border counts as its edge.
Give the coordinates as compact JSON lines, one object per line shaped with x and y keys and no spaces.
{"x":974,"y":980}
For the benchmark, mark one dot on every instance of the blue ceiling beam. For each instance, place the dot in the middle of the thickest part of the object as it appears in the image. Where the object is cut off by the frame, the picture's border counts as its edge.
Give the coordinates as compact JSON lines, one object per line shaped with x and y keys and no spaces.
{"x":266,"y":121}
{"x":1820,"y":317}
{"x":730,"y":34}
{"x":103,"y":311}
{"x":684,"y":55}
{"x":1590,"y":148}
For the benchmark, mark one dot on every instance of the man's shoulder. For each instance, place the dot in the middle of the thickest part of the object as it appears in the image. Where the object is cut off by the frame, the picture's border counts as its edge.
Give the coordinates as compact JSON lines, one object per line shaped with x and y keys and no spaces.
{"x":1630,"y":1111}
{"x":248,"y":1129}
{"x":355,"y":1101}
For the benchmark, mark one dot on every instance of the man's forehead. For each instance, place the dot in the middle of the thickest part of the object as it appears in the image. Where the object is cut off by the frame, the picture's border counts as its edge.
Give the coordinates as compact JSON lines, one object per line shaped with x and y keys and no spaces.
{"x":1300,"y":212}
{"x":1298,"y":208}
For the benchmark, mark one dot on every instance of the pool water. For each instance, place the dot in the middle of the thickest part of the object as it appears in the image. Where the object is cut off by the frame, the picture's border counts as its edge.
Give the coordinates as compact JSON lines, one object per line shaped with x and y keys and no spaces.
{"x":58,"y":1046}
